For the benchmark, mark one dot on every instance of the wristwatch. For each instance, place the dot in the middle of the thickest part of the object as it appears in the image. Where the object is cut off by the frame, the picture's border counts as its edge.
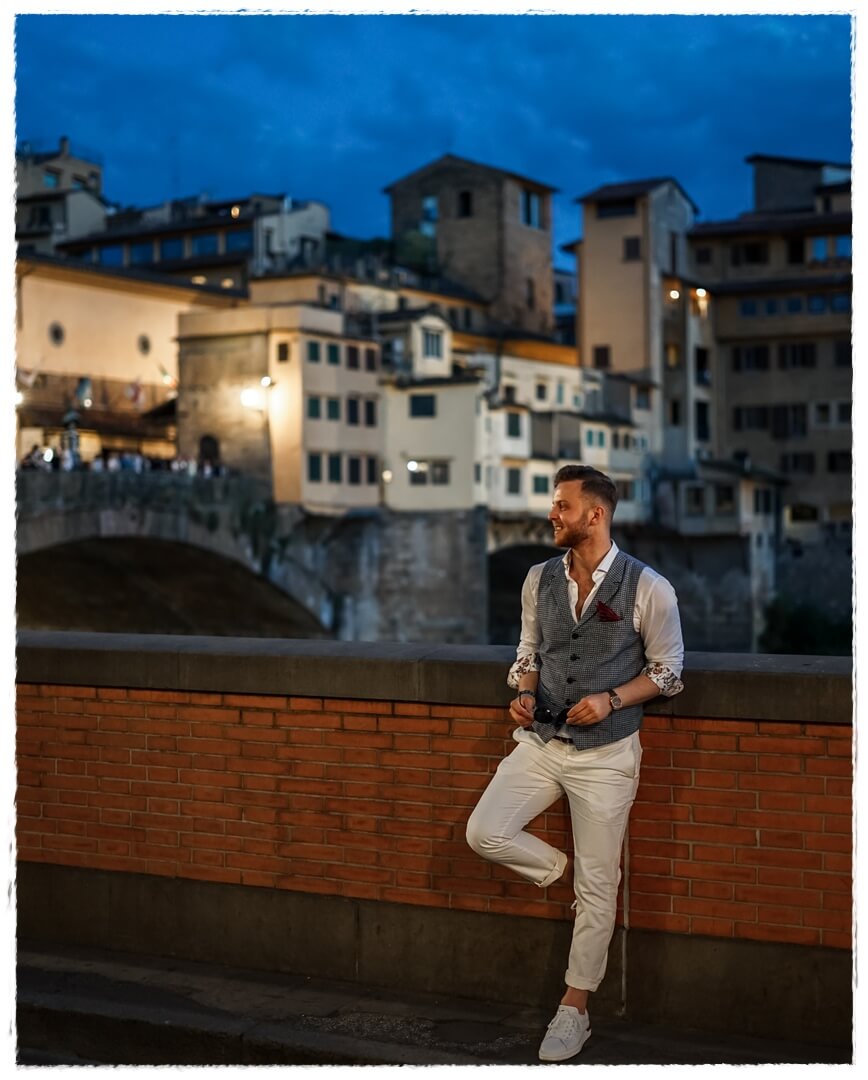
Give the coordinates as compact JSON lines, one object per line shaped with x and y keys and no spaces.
{"x":614,"y":700}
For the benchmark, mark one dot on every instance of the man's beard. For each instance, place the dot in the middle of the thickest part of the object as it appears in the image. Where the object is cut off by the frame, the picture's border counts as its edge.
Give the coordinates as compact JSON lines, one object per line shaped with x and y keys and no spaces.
{"x":571,"y":537}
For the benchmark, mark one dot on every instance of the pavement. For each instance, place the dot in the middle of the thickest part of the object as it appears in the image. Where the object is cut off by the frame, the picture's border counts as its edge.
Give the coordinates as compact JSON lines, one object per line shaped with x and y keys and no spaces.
{"x":88,"y":1007}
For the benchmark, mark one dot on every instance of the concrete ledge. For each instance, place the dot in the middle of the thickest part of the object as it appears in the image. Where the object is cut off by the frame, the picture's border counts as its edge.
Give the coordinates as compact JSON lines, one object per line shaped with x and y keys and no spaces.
{"x":797,"y":689}
{"x":803,"y":993}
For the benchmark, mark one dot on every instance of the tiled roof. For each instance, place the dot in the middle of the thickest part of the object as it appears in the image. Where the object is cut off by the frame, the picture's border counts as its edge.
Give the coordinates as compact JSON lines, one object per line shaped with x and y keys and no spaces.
{"x":632,"y":189}
{"x":453,"y":159}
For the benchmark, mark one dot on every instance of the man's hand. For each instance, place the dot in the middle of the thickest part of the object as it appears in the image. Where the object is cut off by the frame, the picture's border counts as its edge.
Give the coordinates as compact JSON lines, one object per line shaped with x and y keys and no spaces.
{"x":590,"y":710}
{"x":521,"y":710}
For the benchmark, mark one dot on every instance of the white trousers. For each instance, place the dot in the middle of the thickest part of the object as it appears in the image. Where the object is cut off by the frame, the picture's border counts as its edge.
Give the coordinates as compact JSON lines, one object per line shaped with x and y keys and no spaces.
{"x":600,"y":784}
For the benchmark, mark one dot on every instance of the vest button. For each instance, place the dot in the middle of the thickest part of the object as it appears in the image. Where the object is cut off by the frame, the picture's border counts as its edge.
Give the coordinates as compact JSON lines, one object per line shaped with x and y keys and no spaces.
{"x":570,"y":679}
{"x":575,"y":633}
{"x":574,"y":657}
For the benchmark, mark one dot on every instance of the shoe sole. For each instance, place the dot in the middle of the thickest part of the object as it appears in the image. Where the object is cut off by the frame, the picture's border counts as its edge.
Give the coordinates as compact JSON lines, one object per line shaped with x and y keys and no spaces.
{"x":566,"y":1057}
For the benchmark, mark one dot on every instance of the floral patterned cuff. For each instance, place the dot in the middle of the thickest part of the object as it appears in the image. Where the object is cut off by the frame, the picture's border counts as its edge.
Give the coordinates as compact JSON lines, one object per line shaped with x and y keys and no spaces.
{"x":664,"y":678}
{"x":523,"y":666}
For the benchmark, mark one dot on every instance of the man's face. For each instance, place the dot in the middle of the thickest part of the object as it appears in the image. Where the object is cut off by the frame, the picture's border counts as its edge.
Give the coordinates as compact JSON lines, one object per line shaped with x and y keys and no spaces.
{"x":571,"y":514}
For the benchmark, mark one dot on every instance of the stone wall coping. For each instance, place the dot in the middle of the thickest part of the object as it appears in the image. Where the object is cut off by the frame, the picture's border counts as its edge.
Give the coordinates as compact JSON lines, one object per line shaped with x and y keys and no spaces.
{"x":737,"y":686}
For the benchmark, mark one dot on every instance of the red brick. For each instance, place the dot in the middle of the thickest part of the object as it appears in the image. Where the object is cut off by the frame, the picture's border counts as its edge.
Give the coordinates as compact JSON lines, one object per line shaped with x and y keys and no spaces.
{"x":345,"y":705}
{"x":708,"y":871}
{"x":714,"y":797}
{"x":411,"y":708}
{"x":764,"y":856}
{"x":712,"y":890}
{"x":829,"y":920}
{"x":789,"y":822}
{"x":307,"y":720}
{"x":60,"y":691}
{"x":829,"y":766}
{"x":711,"y":834}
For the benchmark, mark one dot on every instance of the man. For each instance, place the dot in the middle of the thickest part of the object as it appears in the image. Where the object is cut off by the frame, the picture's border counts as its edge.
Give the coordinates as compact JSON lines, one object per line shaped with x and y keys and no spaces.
{"x":600,"y":637}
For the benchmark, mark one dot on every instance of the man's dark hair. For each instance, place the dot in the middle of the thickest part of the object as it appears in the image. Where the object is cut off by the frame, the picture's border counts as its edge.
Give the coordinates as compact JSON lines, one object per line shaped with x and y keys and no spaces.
{"x":594,"y":483}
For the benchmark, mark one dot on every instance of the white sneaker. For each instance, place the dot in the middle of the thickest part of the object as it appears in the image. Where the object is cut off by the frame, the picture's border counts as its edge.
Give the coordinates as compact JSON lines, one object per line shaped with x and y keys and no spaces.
{"x":566,"y":1035}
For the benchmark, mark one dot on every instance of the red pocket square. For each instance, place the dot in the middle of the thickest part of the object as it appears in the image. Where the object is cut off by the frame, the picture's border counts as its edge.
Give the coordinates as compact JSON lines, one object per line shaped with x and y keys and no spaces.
{"x":605,"y":614}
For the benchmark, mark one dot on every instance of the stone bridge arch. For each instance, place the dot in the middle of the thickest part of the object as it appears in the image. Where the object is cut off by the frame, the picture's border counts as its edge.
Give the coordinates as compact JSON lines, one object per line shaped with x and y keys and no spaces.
{"x":230,"y":516}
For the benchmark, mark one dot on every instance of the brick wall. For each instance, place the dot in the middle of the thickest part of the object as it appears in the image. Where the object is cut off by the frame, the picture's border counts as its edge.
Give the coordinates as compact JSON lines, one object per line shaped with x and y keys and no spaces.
{"x":741,"y":828}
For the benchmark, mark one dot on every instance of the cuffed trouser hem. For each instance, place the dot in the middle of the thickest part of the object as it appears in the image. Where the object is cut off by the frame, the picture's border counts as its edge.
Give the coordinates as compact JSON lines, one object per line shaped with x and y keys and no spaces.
{"x":582,"y":984}
{"x":560,"y":866}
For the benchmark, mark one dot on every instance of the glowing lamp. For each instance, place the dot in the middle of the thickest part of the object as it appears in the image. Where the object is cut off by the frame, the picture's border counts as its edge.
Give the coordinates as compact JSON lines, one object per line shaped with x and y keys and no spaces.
{"x":252,"y":398}
{"x":674,"y":294}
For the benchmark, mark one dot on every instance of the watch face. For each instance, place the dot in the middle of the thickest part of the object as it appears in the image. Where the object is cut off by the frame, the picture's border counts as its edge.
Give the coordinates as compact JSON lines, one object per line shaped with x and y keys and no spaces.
{"x":615,"y":701}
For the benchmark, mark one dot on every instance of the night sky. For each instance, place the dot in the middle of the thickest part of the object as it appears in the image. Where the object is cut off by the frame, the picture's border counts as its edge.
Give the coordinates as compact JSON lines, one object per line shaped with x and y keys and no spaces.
{"x":336,"y":107}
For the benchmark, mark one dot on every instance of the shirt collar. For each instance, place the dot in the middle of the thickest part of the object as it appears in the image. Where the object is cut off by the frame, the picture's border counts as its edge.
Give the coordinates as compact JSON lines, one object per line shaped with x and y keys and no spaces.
{"x":602,"y":569}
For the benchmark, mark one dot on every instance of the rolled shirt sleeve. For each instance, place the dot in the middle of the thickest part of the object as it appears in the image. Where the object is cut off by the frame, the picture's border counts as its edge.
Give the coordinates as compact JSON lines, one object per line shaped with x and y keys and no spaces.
{"x":660,"y":627}
{"x":527,"y":654}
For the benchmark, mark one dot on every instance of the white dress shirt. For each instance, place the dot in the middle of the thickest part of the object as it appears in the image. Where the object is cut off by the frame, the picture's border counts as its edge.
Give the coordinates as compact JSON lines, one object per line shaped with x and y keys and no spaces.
{"x":655,"y":619}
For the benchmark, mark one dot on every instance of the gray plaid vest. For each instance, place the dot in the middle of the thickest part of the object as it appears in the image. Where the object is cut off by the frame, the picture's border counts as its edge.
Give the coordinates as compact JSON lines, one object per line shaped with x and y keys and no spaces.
{"x":591,"y":656}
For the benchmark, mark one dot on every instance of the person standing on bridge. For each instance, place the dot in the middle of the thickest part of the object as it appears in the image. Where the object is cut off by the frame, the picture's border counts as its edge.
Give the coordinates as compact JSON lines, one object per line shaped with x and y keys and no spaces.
{"x":600,"y":636}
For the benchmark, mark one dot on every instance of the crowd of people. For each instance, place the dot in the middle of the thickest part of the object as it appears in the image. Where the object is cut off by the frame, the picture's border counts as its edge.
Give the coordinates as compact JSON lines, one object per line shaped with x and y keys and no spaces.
{"x":64,"y":459}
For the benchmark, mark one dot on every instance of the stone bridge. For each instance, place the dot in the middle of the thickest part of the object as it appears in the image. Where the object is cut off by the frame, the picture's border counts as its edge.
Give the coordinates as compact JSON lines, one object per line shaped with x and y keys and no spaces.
{"x":353,"y":572}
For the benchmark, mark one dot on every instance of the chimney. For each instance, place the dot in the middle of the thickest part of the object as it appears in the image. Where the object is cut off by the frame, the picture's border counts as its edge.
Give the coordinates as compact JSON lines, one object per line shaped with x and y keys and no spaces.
{"x":64,"y":146}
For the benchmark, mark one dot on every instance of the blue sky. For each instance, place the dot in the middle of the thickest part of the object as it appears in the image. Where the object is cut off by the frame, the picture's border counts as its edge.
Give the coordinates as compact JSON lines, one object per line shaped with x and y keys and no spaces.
{"x":337,"y":107}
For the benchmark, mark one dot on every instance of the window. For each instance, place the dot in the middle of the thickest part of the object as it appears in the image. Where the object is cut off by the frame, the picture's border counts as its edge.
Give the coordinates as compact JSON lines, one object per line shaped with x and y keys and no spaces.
{"x":509,"y":393}
{"x":354,"y":466}
{"x":843,"y":354}
{"x":626,"y":490}
{"x":703,"y":255}
{"x":320,"y":294}
{"x":771,"y":306}
{"x":430,"y":214}
{"x":822,"y":413}
{"x":844,"y":412}
{"x":602,"y":357}
{"x":804,"y":512}
{"x":333,"y":353}
{"x":353,"y":357}
{"x":513,"y":425}
{"x":797,"y":355}
{"x":817,"y":304}
{"x":541,"y":391}
{"x":559,"y":393}
{"x":143,"y":344}
{"x":440,"y":472}
{"x":432,"y":343}
{"x":423,"y":405}
{"x":673,"y":252}
{"x":750,"y":358}
{"x":373,"y":477}
{"x":172,"y":247}
{"x":530,"y":293}
{"x":673,"y":355}
{"x":795,"y":304}
{"x":843,"y":247}
{"x":477,"y":473}
{"x":702,"y":428}
{"x":468,"y":318}
{"x":540,"y":485}
{"x":643,"y":397}
{"x":530,"y":209}
{"x":314,"y":407}
{"x":724,"y":499}
{"x":282,"y":352}
{"x":789,"y":421}
{"x":616,"y":440}
{"x":590,"y":437}
{"x":750,"y":418}
{"x":819,"y":249}
{"x":50,"y":178}
{"x":616,"y":208}
{"x":703,"y":372}
{"x":314,"y":468}
{"x":513,"y":481}
{"x":840,"y":302}
{"x":56,"y":333}
{"x":353,"y":411}
{"x":239,"y":240}
{"x":601,"y":438}
{"x":334,"y":468}
{"x":838,"y":461}
{"x":111,"y":255}
{"x":752,"y":253}
{"x":632,"y":248}
{"x":205,"y":244}
{"x":675,"y":412}
{"x":141,"y":253}
{"x":313,"y":352}
{"x":747,"y":308}
{"x":797,"y":463}
{"x":370,"y":359}
{"x":333,"y":408}
{"x":694,"y":500}
{"x":762,"y":501}
{"x":370,"y":412}
{"x":465,"y":204}
{"x":796,"y":250}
